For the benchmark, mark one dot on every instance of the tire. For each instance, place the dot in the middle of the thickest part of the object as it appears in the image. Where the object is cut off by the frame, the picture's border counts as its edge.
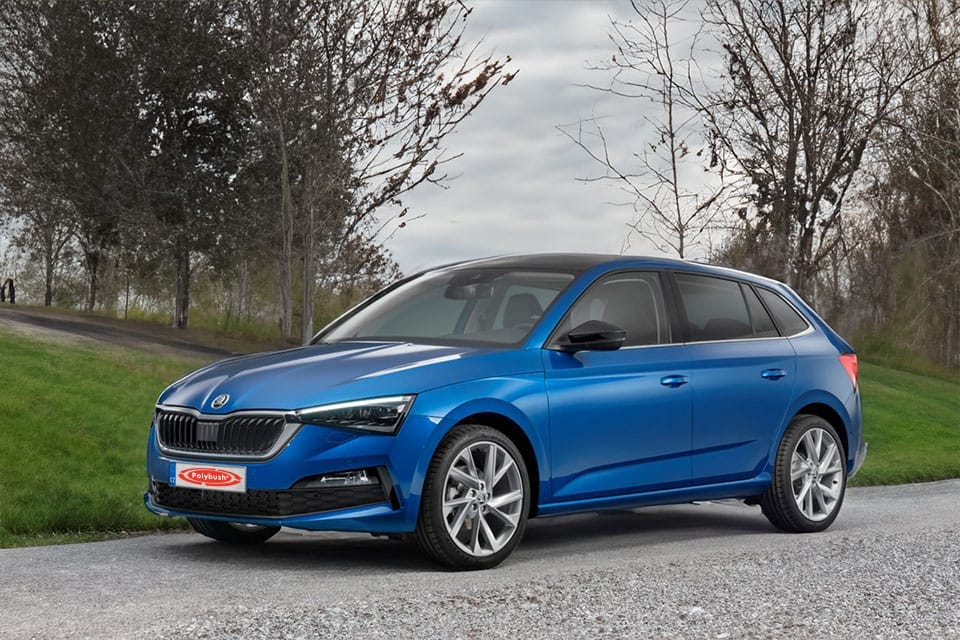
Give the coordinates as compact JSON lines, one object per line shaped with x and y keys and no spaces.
{"x":466,"y":520}
{"x":233,"y":533}
{"x":809,"y":477}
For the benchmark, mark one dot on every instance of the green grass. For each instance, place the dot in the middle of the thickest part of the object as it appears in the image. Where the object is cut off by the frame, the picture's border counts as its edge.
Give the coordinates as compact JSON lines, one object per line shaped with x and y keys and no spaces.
{"x":912,"y":424}
{"x":882,"y":349}
{"x":74,"y":421}
{"x":73,"y":428}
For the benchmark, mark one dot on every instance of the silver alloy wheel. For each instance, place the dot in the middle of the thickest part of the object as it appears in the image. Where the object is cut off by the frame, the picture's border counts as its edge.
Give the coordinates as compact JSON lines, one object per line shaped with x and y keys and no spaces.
{"x":816,"y":473}
{"x":482,"y":498}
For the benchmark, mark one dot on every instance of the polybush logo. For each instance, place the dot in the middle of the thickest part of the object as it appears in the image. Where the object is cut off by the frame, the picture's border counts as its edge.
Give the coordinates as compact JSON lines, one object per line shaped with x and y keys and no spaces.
{"x":210,"y":477}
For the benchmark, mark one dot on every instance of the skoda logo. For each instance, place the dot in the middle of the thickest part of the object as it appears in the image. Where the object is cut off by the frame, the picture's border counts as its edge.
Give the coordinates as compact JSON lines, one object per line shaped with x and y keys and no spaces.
{"x":220,"y":400}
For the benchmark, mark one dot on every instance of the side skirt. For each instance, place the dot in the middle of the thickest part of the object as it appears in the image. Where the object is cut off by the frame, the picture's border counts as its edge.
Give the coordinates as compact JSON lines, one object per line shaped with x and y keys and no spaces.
{"x":739,"y":489}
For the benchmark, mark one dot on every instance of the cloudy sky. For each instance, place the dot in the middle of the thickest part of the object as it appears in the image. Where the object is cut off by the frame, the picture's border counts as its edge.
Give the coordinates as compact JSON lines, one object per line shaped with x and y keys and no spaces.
{"x":516,"y":188}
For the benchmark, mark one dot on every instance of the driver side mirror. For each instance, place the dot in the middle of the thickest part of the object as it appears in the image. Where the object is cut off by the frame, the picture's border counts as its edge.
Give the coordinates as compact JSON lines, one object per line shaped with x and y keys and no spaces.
{"x":594,"y":335}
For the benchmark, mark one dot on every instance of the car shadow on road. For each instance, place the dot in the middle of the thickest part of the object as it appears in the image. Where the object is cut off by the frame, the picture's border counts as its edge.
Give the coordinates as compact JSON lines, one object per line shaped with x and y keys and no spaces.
{"x":651,"y":525}
{"x":589,"y":532}
{"x":295,"y":552}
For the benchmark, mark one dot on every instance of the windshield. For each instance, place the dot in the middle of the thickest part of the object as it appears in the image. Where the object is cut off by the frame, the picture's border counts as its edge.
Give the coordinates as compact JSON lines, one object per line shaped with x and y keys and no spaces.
{"x":496,"y":306}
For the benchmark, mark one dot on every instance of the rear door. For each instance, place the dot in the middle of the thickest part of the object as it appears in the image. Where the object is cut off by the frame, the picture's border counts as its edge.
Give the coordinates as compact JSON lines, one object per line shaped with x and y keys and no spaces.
{"x":620,"y":420}
{"x":742,"y":377}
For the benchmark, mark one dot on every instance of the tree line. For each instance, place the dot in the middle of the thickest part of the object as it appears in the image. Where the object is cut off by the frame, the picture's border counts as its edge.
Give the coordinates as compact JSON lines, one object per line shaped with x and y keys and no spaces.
{"x":818,"y":140}
{"x":155,"y":140}
{"x":242,"y":144}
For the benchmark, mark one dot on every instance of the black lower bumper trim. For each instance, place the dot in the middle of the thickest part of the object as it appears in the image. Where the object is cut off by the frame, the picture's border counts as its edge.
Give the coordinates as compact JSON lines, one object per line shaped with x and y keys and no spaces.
{"x":258,"y":502}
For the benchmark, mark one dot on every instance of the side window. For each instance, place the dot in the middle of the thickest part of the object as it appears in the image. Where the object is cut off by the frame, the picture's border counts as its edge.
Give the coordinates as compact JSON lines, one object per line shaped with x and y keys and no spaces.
{"x":716,"y":309}
{"x":631,"y":301}
{"x":790,"y":321}
{"x":763,"y":326}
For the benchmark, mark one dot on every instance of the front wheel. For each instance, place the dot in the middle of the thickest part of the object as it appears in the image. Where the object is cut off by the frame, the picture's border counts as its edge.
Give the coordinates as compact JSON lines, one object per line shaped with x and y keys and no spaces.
{"x":475,"y":500}
{"x":809,"y":477}
{"x":233,"y":532}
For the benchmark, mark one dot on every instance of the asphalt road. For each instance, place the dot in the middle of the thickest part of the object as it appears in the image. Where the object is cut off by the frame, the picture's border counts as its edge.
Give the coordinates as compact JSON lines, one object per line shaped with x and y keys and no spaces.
{"x":52,"y":324}
{"x":888,"y":568}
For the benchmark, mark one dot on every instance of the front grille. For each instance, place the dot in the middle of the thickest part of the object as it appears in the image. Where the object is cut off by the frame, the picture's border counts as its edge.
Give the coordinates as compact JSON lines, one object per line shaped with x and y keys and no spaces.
{"x":246,"y":435}
{"x":257,"y":502}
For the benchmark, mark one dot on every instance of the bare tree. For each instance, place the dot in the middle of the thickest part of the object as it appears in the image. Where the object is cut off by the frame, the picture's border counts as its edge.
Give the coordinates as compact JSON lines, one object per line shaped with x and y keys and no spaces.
{"x":171,"y":135}
{"x":915,"y":198}
{"x":46,"y":229}
{"x":357,"y":98}
{"x":808,"y":83}
{"x":62,"y":108}
{"x":654,"y":62}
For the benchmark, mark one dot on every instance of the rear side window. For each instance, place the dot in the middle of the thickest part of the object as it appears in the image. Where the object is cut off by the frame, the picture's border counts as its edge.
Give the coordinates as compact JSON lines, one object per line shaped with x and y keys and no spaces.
{"x":716,"y":309}
{"x":790,"y":321}
{"x":632,"y":301}
{"x":763,"y":326}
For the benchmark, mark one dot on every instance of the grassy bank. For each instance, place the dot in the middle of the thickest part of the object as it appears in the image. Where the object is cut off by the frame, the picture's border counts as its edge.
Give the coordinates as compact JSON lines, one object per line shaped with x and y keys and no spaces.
{"x":74,"y":420}
{"x":73,"y":424}
{"x":912,"y":424}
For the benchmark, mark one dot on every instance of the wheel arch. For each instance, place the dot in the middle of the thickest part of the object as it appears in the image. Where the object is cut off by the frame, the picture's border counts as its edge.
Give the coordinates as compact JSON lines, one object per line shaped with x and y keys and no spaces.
{"x":519,"y":437}
{"x":829,"y":414}
{"x":843,"y":416}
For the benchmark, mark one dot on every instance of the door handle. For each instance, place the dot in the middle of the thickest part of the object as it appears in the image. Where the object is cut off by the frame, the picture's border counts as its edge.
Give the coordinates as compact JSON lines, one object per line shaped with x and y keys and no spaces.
{"x":772,"y":374}
{"x":674,"y":381}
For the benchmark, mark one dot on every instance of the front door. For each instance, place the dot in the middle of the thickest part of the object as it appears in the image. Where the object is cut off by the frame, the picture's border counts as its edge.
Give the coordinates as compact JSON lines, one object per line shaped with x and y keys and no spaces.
{"x":620,"y":421}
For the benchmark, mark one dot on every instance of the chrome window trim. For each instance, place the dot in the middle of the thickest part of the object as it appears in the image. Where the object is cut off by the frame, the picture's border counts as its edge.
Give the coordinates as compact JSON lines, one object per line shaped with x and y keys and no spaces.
{"x":290,"y":429}
{"x":809,"y":329}
{"x":650,"y":346}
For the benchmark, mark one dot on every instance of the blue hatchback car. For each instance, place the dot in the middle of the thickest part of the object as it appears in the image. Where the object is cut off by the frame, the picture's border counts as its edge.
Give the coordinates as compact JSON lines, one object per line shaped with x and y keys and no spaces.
{"x":457,"y":403}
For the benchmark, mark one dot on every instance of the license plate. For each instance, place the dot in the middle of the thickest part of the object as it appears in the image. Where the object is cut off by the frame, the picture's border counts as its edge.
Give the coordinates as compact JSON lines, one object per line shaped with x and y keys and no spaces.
{"x":211,"y":477}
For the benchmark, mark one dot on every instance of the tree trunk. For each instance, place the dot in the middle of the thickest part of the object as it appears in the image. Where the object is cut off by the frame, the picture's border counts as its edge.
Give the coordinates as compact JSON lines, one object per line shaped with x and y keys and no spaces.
{"x":181,"y":303}
{"x":48,"y":267}
{"x":309,"y":274}
{"x":48,"y":287}
{"x":126,"y":293}
{"x":950,"y":343}
{"x":92,"y":259}
{"x":286,"y":245}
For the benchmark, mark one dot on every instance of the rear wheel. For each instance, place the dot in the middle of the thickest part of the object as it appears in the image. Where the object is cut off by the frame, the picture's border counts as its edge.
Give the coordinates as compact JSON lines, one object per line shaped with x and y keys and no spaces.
{"x":233,"y":532}
{"x":809,"y":477}
{"x":475,"y":500}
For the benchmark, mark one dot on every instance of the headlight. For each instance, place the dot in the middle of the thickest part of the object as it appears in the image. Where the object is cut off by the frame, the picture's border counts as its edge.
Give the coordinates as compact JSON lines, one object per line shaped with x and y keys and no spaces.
{"x":381,"y":415}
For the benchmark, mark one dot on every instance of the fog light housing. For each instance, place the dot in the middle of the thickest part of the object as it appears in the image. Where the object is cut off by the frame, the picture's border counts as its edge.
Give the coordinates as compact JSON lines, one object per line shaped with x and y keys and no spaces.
{"x":354,"y":478}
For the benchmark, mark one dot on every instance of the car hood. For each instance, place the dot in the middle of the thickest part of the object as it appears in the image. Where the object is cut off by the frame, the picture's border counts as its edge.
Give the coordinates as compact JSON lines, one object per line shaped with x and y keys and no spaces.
{"x":325,"y":373}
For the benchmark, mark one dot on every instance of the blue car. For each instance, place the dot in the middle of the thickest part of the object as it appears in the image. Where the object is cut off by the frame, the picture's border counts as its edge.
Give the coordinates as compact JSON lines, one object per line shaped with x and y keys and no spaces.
{"x":456,"y":404}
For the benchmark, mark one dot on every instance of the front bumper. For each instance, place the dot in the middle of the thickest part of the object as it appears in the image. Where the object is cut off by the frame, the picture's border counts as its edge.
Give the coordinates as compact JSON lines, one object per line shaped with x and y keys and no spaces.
{"x":275,"y":489}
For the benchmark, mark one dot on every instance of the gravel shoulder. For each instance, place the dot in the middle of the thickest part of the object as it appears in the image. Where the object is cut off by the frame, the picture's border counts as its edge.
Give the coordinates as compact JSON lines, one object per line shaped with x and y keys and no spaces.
{"x":888,"y":568}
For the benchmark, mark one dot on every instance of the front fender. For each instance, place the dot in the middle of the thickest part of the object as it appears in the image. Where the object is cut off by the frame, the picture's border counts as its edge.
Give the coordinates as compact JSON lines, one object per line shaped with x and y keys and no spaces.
{"x":521,"y":399}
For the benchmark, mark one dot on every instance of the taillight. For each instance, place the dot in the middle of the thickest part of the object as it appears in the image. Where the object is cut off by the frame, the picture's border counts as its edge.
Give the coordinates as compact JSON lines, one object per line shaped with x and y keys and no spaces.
{"x":849,"y":362}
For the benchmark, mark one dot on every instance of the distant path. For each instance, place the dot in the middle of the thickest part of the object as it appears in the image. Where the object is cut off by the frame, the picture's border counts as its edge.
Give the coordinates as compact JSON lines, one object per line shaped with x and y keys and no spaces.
{"x":889,"y":568}
{"x":153,"y":338}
